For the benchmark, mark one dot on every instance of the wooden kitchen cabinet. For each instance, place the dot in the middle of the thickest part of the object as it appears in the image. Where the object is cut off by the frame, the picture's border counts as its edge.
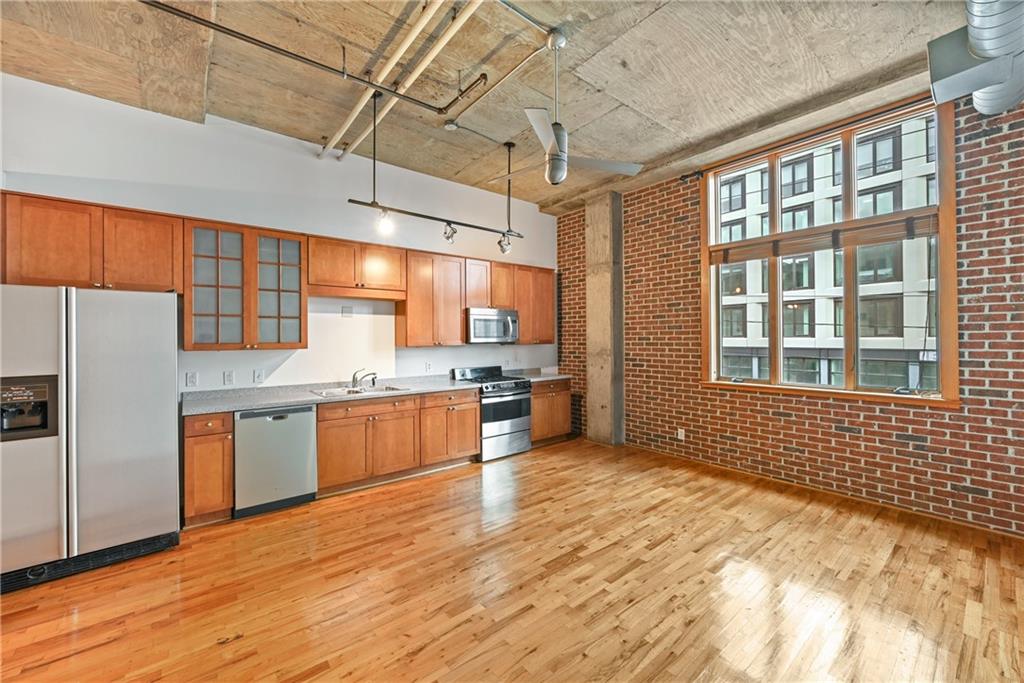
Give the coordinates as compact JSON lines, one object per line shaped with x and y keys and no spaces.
{"x":52,"y":242}
{"x":478,"y":283}
{"x":535,"y":302}
{"x":433,"y":312}
{"x":543,"y":308}
{"x":361,"y":439}
{"x":449,"y":431}
{"x":209,"y":466}
{"x":245,"y":288}
{"x":394,"y":442}
{"x":551,"y":414}
{"x":503,"y":291}
{"x":142,"y":251}
{"x":342,"y":455}
{"x":352,"y":269}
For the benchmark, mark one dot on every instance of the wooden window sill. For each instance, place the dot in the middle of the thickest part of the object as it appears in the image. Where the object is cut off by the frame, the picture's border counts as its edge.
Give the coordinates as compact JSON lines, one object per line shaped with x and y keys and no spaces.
{"x":815,"y":393}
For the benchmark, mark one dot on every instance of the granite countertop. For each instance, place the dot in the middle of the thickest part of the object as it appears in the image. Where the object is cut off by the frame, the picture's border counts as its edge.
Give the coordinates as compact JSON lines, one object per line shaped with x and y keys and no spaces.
{"x":230,"y":400}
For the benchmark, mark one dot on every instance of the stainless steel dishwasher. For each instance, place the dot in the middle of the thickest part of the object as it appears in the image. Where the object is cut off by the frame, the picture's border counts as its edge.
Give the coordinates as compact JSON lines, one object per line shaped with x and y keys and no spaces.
{"x":275,"y":458}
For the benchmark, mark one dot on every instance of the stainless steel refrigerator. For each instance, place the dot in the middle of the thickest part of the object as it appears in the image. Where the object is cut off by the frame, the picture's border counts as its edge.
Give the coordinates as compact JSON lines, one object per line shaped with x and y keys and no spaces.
{"x":89,"y":450}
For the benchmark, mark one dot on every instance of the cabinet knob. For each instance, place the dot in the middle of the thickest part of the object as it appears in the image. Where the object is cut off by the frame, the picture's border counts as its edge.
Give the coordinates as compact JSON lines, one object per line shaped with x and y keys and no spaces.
{"x":96,"y":284}
{"x":349,"y":410}
{"x":228,"y":437}
{"x":109,"y":286}
{"x":396,"y":403}
{"x":255,"y":346}
{"x":451,"y":398}
{"x":209,"y":424}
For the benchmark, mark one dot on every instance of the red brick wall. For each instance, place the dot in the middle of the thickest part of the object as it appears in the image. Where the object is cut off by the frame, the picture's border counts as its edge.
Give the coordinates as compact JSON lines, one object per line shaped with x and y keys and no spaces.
{"x":965,"y":464}
{"x":572,"y":312}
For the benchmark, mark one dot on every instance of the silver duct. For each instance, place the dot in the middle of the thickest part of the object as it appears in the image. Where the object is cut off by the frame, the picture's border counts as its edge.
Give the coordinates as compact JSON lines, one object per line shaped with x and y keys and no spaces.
{"x":985,"y":58}
{"x":995,"y":28}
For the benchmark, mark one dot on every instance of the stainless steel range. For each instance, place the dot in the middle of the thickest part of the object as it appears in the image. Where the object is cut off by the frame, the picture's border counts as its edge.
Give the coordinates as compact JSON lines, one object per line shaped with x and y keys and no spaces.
{"x":504,"y":410}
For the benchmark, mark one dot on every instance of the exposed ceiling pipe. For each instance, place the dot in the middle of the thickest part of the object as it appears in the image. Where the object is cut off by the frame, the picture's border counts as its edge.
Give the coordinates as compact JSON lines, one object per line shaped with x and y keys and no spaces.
{"x":540,"y":26}
{"x":435,"y":49}
{"x":417,"y":28}
{"x":269,"y":47}
{"x":995,"y":28}
{"x":501,"y":80}
{"x":985,"y":58}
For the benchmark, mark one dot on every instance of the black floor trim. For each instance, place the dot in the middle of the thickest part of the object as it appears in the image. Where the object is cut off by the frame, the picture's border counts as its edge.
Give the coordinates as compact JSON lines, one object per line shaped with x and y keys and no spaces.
{"x":30,"y":576}
{"x":275,"y":505}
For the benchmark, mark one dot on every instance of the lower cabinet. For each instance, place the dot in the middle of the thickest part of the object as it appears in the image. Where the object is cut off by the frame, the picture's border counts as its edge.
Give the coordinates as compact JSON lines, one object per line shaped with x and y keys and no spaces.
{"x":394,"y":442}
{"x":448,"y":432}
{"x":551,"y":414}
{"x":341,"y":453}
{"x":349,"y":449}
{"x":209,"y":468}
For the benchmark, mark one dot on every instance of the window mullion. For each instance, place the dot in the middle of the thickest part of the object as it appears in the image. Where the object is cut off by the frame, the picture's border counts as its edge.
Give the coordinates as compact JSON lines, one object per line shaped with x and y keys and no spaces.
{"x":774,"y":295}
{"x":850,"y":322}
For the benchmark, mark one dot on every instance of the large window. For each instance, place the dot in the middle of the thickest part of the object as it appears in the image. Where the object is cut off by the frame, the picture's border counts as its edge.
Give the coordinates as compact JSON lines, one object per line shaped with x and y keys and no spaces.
{"x":773,"y":322}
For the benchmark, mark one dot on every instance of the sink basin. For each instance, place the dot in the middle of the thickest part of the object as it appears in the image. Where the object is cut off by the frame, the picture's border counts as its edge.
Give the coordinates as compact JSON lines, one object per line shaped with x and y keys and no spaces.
{"x":349,"y":391}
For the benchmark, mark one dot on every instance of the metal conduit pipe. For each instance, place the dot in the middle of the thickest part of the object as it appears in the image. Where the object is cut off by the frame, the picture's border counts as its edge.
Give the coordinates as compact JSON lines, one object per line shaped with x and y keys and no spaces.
{"x":417,"y":28}
{"x":262,"y":44}
{"x":501,"y":80}
{"x":995,"y":28}
{"x":435,"y":49}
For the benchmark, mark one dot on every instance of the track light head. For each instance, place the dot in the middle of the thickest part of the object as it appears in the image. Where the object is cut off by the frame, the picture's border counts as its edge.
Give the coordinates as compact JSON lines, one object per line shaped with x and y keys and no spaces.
{"x":504,"y":243}
{"x":449,"y":233}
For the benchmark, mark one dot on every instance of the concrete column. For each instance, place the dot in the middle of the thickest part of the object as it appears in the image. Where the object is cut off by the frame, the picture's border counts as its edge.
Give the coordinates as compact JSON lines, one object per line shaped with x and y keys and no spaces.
{"x":605,"y":394}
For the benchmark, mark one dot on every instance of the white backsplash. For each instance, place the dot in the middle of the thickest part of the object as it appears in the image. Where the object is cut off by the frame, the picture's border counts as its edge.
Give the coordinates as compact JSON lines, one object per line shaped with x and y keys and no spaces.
{"x":346,"y":335}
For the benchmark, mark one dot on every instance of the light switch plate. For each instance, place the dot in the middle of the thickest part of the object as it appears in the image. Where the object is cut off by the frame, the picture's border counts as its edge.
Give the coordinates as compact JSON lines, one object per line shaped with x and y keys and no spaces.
{"x":257,"y":376}
{"x":681,"y":434}
{"x":191,"y":378}
{"x":229,"y":377}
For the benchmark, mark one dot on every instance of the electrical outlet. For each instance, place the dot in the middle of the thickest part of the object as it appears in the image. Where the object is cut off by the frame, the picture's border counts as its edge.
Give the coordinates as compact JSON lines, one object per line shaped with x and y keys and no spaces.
{"x":681,"y":434}
{"x":506,"y":363}
{"x":426,"y":366}
{"x":346,"y":311}
{"x":191,"y":378}
{"x":229,"y":377}
{"x":257,"y":376}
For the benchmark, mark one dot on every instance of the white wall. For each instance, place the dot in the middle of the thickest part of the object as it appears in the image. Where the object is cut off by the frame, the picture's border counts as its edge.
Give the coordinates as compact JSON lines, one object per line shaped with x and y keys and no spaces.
{"x":63,"y":143}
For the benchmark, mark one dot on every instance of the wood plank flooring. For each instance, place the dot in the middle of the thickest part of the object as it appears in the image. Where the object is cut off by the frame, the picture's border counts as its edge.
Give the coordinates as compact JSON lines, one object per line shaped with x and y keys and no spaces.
{"x":573,"y":562}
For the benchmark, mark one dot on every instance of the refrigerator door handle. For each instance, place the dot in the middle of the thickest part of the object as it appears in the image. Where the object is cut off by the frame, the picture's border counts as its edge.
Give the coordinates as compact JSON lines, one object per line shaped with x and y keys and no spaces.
{"x":71,"y":409}
{"x":62,"y":422}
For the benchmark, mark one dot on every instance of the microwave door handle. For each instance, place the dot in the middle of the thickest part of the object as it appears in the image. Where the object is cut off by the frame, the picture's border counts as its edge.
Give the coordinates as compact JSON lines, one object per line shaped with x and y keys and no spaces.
{"x":508,"y":333}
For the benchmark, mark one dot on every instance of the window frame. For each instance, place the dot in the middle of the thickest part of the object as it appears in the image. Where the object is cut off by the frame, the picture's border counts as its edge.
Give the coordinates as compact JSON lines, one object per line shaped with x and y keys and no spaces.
{"x":897,"y":198}
{"x":874,"y":300}
{"x":940,"y":220}
{"x":742,"y":181}
{"x":809,"y":304}
{"x":873,"y":138}
{"x":806,"y":160}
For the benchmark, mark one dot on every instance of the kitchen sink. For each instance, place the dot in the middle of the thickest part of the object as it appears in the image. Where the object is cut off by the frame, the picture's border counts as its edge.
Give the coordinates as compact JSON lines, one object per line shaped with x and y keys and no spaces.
{"x":349,"y":391}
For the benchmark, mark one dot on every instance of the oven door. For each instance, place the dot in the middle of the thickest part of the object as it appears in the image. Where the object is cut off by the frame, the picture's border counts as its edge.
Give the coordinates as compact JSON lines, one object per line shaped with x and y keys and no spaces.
{"x":492,"y":326}
{"x":504,"y":414}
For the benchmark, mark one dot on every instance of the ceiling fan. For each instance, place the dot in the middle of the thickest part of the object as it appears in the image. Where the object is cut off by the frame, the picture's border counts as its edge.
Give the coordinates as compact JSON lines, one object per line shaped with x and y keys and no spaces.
{"x":555,"y":138}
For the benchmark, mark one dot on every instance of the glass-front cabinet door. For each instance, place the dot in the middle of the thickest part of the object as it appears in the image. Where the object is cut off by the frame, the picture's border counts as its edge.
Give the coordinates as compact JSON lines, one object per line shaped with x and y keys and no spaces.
{"x":215,"y":290}
{"x":281,"y":302}
{"x":244,"y":288}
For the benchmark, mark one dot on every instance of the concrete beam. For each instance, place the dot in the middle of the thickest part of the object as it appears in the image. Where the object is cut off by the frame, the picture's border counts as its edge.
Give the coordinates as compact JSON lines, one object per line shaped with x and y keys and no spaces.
{"x":605,"y":393}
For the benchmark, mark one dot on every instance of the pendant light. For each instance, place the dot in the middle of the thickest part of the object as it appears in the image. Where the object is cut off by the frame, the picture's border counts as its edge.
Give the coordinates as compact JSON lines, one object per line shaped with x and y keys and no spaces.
{"x":504,"y":242}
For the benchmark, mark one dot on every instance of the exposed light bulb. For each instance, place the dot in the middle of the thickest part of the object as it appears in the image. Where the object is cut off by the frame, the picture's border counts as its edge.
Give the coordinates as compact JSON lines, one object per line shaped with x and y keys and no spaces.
{"x":505,"y":244}
{"x":385,"y":225}
{"x":449,"y":233}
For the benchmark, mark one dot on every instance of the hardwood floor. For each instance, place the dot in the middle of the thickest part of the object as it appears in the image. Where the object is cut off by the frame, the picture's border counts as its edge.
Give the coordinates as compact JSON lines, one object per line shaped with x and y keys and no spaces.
{"x":573,"y":562}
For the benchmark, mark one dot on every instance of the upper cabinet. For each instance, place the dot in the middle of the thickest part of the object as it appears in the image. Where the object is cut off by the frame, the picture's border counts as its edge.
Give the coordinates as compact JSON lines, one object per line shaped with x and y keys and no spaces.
{"x":244,"y":288}
{"x":503,"y":290}
{"x":478,"y":283}
{"x":535,"y":302}
{"x":52,"y":242}
{"x":352,"y":269}
{"x":433,"y":312}
{"x":142,"y":251}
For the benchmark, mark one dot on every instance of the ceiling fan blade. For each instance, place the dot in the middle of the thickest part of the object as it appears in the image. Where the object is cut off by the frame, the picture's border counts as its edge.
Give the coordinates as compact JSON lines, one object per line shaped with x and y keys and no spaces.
{"x":541,"y":122}
{"x":505,"y":176}
{"x":619,"y":167}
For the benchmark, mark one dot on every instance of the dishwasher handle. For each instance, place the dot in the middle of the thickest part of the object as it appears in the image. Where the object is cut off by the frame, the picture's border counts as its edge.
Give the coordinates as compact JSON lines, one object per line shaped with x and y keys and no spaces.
{"x":272,"y":413}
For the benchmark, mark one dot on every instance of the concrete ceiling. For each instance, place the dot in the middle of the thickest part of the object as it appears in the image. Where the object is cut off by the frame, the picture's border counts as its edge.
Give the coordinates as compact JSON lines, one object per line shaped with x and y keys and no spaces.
{"x":670,"y":84}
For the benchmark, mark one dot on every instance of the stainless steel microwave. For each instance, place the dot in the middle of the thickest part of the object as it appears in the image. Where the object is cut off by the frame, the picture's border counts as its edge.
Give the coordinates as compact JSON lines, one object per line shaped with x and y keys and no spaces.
{"x":492,"y":326}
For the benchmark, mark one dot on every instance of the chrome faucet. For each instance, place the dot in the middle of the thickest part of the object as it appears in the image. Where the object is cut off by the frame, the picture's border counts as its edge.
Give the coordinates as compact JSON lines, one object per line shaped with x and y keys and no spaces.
{"x":358,"y":379}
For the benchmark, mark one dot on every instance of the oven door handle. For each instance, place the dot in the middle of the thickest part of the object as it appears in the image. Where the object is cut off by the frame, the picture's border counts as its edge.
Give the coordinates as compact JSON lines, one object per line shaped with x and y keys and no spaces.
{"x":504,"y":398}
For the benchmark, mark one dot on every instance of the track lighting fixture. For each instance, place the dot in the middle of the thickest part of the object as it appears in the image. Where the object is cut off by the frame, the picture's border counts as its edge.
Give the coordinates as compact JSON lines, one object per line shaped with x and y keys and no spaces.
{"x":385,"y":224}
{"x":449,"y":233}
